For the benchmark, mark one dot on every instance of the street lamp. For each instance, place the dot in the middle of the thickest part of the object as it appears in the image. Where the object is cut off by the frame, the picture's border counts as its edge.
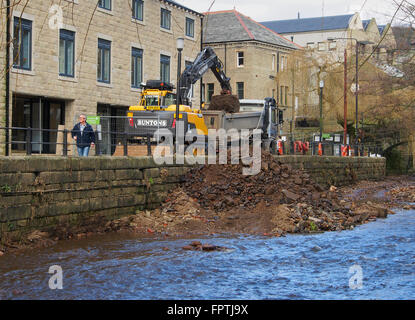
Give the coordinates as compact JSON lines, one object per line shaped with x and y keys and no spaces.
{"x":321,"y":110}
{"x":179,"y":46}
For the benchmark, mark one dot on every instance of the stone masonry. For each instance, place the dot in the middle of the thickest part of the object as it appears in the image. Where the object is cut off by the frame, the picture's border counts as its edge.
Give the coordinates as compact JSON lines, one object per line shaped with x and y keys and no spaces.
{"x":42,"y":192}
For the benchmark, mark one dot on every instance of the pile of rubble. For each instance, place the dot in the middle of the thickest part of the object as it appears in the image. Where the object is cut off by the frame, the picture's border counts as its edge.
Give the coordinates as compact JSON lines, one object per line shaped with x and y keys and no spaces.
{"x":403,"y":194}
{"x":276,"y":201}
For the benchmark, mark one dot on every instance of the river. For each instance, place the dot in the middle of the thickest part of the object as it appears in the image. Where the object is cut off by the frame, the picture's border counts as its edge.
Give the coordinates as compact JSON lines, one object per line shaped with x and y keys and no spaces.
{"x":380,"y":257}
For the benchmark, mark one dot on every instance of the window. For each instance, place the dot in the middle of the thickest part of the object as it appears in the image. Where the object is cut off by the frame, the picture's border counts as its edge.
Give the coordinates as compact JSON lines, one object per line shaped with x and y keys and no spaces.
{"x":332,"y":45}
{"x":66,"y":53}
{"x":322,"y":46}
{"x":240,"y":59}
{"x":190,"y":27}
{"x":281,"y":95}
{"x":286,"y":96}
{"x":164,"y":68}
{"x":310,"y":45}
{"x":22,"y":44}
{"x":138,"y":9}
{"x":165,"y":19}
{"x":203,"y":92}
{"x":104,"y":4}
{"x":273,"y":62}
{"x":240,"y":86}
{"x":136,"y":67}
{"x":283,"y":62}
{"x":104,"y":61}
{"x":278,"y":62}
{"x":192,"y":91}
{"x":211,"y":91}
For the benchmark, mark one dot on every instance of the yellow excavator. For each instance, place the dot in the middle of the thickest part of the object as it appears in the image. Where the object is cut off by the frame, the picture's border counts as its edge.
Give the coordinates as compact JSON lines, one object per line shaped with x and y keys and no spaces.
{"x":157,"y":107}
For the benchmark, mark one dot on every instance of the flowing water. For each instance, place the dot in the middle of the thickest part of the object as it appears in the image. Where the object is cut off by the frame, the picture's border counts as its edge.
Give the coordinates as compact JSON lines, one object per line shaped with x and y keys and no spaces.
{"x":294,"y":267}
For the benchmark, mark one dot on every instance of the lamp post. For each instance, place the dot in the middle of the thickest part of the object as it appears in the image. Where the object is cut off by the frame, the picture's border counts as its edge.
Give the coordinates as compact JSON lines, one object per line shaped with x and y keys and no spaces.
{"x":179,"y":46}
{"x":321,"y":110}
{"x":356,"y":150}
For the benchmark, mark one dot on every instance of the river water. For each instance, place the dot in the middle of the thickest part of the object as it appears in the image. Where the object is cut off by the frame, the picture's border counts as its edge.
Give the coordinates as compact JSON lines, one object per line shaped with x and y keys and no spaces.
{"x":316,"y":266}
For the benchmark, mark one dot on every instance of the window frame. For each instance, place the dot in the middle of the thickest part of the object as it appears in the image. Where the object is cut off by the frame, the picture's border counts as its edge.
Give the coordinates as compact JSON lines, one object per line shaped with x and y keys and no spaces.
{"x":67,"y":35}
{"x":104,"y":45}
{"x":332,"y":45}
{"x":192,"y":91}
{"x":103,"y":6}
{"x":168,"y":13}
{"x":322,"y":46}
{"x":134,"y":2}
{"x":210,"y":93}
{"x":239,"y":58}
{"x":238,"y":89}
{"x":163,"y":61}
{"x":22,"y":24}
{"x":135,"y":54}
{"x":192,"y":25}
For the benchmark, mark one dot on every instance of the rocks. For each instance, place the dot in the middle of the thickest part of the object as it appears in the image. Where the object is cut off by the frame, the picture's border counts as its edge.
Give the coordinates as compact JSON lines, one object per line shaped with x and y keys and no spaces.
{"x":37,"y":236}
{"x":198,"y":246}
{"x":290,"y":195}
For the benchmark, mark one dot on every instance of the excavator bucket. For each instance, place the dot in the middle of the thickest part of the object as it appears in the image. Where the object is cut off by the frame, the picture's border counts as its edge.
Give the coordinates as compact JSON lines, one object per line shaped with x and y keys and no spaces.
{"x":227,"y":103}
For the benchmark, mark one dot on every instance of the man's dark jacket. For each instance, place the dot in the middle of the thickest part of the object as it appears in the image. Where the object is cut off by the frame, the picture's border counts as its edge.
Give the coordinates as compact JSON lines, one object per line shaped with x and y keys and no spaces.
{"x":86,"y":138}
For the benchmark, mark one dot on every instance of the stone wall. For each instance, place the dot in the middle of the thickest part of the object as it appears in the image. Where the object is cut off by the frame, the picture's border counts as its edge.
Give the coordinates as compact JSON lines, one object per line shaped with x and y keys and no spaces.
{"x":338,"y":171}
{"x":2,"y":76}
{"x":43,"y":192}
{"x":39,"y":192}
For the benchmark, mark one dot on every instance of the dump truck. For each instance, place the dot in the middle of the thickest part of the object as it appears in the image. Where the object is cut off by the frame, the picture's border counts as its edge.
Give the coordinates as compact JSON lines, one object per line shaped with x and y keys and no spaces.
{"x":157,"y":107}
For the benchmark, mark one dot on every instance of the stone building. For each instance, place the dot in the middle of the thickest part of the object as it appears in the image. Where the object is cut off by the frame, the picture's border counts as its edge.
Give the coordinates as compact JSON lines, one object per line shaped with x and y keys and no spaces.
{"x":322,"y":34}
{"x":259,"y":61}
{"x":89,"y":57}
{"x":326,"y":39}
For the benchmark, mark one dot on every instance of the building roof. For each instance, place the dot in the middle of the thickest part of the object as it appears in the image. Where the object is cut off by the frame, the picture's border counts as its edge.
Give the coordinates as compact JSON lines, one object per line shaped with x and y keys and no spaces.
{"x":174,"y":3}
{"x":366,"y":23}
{"x":309,"y":24}
{"x":382,"y":28}
{"x":232,"y":26}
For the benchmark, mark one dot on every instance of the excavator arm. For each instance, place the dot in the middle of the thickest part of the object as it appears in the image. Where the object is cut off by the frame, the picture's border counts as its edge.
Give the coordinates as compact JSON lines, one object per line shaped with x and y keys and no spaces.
{"x":206,"y":59}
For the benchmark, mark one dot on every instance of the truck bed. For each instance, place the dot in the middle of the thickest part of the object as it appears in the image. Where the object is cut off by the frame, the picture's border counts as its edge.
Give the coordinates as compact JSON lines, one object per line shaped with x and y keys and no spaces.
{"x":242,"y":120}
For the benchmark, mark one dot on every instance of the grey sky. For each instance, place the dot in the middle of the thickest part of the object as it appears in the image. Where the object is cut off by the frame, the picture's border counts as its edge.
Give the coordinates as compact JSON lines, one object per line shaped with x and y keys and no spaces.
{"x":264,"y":10}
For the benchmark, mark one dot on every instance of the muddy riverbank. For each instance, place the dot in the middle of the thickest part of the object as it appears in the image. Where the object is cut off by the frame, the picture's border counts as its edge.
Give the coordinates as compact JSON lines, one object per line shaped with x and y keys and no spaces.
{"x":218,"y":199}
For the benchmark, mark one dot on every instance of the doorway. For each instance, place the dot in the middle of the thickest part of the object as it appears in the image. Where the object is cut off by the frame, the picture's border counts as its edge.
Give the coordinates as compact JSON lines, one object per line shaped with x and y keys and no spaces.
{"x":36,"y":113}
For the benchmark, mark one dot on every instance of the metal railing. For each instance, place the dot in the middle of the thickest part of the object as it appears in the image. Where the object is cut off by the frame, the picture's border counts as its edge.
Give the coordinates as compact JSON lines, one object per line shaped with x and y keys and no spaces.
{"x":293,"y":146}
{"x":29,"y":143}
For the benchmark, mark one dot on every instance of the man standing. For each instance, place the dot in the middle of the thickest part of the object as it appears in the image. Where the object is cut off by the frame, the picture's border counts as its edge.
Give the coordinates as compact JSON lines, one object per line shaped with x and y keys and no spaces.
{"x":84,"y":136}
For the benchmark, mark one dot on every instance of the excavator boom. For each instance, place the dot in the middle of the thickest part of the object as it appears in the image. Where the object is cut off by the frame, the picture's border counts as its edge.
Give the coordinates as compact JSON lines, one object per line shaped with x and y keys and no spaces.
{"x":205,"y":60}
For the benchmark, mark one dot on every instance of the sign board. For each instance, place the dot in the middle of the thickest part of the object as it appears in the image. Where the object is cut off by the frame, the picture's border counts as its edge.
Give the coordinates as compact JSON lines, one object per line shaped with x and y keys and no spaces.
{"x":326,"y":136}
{"x":93,"y":120}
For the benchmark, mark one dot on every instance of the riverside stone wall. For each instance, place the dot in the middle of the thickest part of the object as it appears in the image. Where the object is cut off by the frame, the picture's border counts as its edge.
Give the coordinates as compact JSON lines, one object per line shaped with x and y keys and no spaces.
{"x":338,"y":171}
{"x":45,"y":192}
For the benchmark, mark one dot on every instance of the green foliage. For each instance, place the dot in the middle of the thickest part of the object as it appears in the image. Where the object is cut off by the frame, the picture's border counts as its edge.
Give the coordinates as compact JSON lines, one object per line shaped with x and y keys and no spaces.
{"x":313,"y":226}
{"x":6,"y":188}
{"x":393,"y":161}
